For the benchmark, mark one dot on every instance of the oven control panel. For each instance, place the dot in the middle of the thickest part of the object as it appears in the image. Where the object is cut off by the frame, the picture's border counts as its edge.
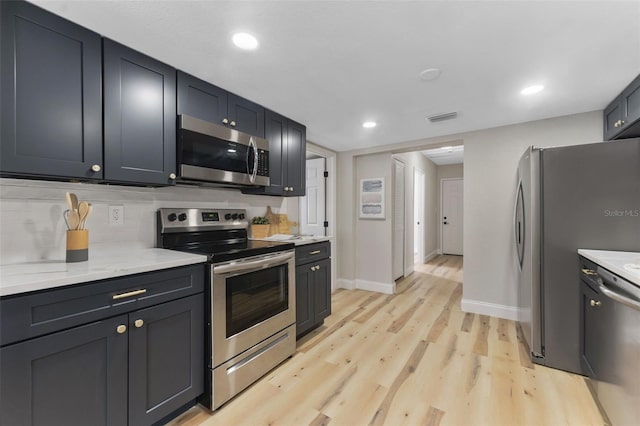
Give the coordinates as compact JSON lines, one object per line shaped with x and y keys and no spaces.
{"x":184,"y":219}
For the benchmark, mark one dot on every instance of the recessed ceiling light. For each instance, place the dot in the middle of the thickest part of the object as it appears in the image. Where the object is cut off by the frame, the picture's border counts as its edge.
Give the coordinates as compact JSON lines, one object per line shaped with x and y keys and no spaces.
{"x":245,"y":41}
{"x":430,"y":74}
{"x":532,"y":90}
{"x":369,"y":124}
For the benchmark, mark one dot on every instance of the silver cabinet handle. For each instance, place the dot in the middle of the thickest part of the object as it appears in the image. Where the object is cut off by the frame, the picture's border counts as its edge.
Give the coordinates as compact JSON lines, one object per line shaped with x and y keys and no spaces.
{"x":172,"y":176}
{"x":233,"y":124}
{"x":95,"y":168}
{"x":121,"y":329}
{"x":138,"y":323}
{"x":129,"y":294}
{"x":595,"y":303}
{"x":225,"y":121}
{"x":315,"y":252}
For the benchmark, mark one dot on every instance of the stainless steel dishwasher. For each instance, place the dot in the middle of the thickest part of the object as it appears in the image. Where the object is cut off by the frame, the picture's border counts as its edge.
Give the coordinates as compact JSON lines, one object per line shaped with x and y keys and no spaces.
{"x":610,"y":341}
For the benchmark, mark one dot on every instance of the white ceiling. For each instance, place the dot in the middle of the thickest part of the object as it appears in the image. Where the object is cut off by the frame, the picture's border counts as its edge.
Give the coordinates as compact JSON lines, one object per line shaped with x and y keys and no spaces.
{"x":445,"y":155}
{"x":333,"y":65}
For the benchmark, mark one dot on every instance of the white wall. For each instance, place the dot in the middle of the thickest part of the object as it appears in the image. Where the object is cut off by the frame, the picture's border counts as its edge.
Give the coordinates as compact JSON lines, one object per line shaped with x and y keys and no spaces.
{"x":32,"y":227}
{"x":490,"y":165}
{"x":444,"y":172}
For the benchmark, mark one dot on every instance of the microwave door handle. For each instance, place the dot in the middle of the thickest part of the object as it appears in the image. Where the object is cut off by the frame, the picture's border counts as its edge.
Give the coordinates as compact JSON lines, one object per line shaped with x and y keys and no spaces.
{"x":252,"y":265}
{"x":252,"y":173}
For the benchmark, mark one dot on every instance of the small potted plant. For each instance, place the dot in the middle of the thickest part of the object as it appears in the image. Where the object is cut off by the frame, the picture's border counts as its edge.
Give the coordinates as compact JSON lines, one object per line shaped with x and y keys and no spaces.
{"x":259,"y":227}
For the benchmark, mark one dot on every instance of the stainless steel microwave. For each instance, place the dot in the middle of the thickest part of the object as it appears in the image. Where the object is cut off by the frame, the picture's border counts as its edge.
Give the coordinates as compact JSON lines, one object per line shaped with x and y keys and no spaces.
{"x":208,"y":152}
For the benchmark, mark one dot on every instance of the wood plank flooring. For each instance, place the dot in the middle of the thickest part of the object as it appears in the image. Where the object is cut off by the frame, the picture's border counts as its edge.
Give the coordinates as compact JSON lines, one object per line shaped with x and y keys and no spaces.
{"x":412,"y":358}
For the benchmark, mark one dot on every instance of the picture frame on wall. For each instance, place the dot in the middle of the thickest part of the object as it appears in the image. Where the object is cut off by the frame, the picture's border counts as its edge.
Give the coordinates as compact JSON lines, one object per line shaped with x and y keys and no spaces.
{"x":371,"y":204}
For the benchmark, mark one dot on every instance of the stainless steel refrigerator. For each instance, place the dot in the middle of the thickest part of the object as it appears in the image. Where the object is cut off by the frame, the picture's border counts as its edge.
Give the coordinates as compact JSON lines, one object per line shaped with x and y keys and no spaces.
{"x":582,"y":196}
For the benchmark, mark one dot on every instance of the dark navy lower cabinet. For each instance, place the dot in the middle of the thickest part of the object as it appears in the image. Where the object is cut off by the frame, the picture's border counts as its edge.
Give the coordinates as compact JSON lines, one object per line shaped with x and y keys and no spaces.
{"x":139,"y":117}
{"x":166,"y":358}
{"x":51,"y":79}
{"x":313,"y":286}
{"x":121,"y":368}
{"x":74,"y":377}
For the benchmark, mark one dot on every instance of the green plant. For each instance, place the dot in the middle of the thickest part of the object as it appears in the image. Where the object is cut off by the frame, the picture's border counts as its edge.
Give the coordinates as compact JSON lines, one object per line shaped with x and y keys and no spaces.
{"x":260,"y":220}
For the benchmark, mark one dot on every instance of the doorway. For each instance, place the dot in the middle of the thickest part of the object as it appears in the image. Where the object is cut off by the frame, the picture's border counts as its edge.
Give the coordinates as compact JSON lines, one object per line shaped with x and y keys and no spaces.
{"x":451,"y":220}
{"x":313,"y":210}
{"x":398,"y":220}
{"x":418,"y":215}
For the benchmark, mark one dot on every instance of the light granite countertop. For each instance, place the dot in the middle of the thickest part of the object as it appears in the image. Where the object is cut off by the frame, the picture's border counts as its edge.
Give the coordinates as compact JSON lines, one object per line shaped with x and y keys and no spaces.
{"x":105,"y":261}
{"x":622,"y":263}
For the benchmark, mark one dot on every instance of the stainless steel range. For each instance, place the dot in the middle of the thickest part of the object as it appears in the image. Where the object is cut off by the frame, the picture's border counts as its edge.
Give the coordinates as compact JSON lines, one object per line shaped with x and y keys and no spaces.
{"x":250,"y":296}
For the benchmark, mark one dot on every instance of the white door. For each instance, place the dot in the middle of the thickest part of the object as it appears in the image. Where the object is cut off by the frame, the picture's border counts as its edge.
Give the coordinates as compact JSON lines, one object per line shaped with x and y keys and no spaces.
{"x":451,"y":219}
{"x":418,"y":216}
{"x":398,"y":220}
{"x":312,"y":207}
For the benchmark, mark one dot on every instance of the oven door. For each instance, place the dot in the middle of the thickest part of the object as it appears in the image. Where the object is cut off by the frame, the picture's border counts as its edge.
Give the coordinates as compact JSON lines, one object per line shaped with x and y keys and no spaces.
{"x":252,"y":299}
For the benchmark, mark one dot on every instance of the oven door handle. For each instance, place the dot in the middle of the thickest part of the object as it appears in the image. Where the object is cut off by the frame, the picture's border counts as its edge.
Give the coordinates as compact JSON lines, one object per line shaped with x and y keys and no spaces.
{"x":265,"y":262}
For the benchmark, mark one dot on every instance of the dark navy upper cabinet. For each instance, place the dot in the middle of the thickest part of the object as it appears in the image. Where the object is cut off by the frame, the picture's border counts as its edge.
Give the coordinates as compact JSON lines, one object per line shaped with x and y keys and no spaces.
{"x":139,"y":117}
{"x":205,"y":101}
{"x":622,"y":115}
{"x":51,"y":95}
{"x":200,"y":99}
{"x":287,"y":157}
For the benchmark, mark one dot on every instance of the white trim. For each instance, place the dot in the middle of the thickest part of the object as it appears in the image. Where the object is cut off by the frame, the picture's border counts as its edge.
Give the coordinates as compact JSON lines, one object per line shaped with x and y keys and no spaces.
{"x":346,"y":284}
{"x":440,"y":210}
{"x":387,"y":288}
{"x":431,"y":255}
{"x":492,"y":309}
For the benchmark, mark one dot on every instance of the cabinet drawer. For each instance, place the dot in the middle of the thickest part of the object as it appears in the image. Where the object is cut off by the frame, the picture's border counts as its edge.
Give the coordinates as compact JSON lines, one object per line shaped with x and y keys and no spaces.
{"x":36,"y":314}
{"x":312,"y":252}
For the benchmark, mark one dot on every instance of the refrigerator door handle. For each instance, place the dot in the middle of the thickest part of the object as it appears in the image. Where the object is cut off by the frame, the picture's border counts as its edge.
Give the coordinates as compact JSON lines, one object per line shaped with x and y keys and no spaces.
{"x":517,"y":226}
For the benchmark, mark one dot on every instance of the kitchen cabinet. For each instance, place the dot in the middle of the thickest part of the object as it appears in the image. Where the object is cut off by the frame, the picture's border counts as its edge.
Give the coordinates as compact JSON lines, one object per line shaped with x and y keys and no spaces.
{"x":51,"y":101}
{"x":622,"y":115}
{"x":313,"y":286}
{"x":205,"y":101}
{"x":139,"y":117}
{"x":287,"y":157}
{"x":120,"y":351}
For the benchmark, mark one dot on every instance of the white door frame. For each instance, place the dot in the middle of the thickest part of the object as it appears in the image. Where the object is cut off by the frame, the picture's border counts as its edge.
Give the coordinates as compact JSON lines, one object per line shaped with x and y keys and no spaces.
{"x":330,"y":199}
{"x":440,"y":210}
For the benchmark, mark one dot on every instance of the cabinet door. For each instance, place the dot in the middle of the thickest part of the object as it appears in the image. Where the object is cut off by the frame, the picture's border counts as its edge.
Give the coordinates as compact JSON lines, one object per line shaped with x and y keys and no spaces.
{"x":74,"y":377}
{"x":200,"y":99}
{"x":322,"y":290}
{"x":247,"y":116}
{"x":631,"y":103}
{"x":51,"y":95}
{"x":304,"y":299}
{"x":296,"y":159}
{"x":139,"y":117}
{"x":166,"y":358}
{"x":612,"y":114}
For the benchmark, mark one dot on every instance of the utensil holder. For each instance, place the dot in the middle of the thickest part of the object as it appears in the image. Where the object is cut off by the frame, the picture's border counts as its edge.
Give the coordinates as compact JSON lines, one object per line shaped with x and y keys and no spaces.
{"x":78,"y":245}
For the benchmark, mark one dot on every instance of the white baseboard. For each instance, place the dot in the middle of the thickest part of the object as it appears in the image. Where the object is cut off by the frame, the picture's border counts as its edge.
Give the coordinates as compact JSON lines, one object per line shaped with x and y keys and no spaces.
{"x":346,"y":284}
{"x":492,"y":309}
{"x":387,"y":288}
{"x":431,"y":255}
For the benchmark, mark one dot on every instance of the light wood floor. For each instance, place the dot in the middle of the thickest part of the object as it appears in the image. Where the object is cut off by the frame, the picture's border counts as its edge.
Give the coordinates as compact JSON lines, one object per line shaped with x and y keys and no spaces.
{"x":412,"y":358}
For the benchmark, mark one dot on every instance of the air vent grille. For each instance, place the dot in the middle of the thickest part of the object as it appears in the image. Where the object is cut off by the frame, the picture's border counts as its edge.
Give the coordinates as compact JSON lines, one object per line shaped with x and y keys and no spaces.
{"x":442,"y":117}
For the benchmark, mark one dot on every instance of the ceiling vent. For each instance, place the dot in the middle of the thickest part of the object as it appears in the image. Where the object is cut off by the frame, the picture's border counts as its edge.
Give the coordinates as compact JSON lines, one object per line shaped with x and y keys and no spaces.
{"x":442,"y":117}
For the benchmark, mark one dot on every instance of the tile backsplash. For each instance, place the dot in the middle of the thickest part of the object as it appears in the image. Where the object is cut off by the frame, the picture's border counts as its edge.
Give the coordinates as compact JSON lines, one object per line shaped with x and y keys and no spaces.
{"x":32,"y":227}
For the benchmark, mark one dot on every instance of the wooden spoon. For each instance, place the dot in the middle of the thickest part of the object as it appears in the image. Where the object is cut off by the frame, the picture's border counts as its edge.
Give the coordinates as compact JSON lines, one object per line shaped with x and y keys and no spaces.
{"x":69,"y":201}
{"x":83,"y":212}
{"x":74,"y":201}
{"x":73,"y":219}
